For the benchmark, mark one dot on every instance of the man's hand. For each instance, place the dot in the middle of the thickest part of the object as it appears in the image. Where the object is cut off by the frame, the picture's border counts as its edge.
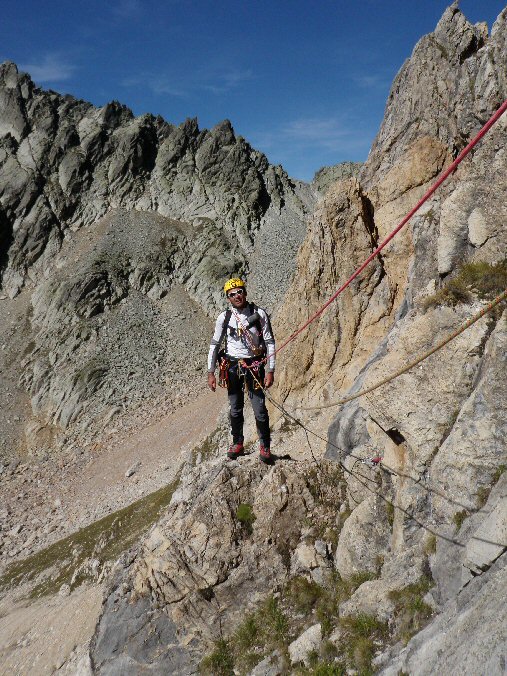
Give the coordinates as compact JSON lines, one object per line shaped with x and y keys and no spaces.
{"x":269,"y":379}
{"x":212,"y":382}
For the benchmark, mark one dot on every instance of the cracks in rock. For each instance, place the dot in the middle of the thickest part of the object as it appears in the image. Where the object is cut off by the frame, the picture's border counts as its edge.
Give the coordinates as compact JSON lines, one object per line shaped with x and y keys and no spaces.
{"x":6,"y":239}
{"x":481,"y":349}
{"x":393,"y":433}
{"x":372,"y":230}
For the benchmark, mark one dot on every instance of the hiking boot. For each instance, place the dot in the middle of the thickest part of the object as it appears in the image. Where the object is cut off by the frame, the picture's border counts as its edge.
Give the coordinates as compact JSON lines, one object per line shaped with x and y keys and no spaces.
{"x":235,"y":450}
{"x":265,"y":454}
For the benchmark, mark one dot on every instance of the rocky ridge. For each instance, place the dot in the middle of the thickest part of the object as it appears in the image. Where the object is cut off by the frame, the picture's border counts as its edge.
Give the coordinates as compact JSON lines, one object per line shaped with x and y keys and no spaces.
{"x":66,"y":164}
{"x":116,"y":233}
{"x":425,"y":533}
{"x":326,"y":176}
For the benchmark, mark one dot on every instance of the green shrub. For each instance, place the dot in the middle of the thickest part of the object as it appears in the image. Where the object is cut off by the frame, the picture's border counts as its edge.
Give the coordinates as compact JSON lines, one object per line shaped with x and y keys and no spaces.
{"x":411,"y":611}
{"x":245,"y":516}
{"x":220,"y":662}
{"x":362,"y":635}
{"x":498,"y":473}
{"x":303,"y":594}
{"x":483,"y":279}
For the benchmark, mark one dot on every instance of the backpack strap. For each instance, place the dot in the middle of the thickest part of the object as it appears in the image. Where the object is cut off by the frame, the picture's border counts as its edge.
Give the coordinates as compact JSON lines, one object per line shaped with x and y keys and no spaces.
{"x":225,"y":326}
{"x":252,"y":309}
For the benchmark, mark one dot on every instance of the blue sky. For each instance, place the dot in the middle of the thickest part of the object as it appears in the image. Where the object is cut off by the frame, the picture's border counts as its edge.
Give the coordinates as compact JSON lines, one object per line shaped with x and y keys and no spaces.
{"x":304,"y":81}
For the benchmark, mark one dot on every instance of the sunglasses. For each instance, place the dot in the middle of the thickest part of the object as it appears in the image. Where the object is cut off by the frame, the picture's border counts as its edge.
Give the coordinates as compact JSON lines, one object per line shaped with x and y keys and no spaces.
{"x":239,"y":292}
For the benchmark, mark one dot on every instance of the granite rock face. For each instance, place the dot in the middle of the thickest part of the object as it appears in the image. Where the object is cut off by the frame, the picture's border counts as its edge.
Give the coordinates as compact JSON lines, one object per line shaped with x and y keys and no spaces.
{"x":440,"y":428}
{"x":206,"y":563}
{"x":428,"y":523}
{"x":325,"y":177}
{"x":468,"y":637}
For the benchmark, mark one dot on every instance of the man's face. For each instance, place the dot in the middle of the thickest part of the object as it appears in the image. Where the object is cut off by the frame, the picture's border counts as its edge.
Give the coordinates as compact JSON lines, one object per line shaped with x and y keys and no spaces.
{"x":237,"y":298}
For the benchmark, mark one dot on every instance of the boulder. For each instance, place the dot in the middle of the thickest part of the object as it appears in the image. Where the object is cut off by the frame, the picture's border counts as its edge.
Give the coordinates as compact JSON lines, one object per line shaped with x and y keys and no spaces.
{"x":308,"y":642}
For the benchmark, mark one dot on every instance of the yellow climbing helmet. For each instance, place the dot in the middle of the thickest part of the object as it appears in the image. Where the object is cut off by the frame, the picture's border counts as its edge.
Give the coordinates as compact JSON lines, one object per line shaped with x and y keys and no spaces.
{"x":234,"y":283}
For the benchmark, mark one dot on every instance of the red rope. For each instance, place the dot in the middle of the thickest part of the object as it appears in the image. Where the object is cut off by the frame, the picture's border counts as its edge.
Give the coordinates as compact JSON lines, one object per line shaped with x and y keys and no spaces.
{"x":419,"y":204}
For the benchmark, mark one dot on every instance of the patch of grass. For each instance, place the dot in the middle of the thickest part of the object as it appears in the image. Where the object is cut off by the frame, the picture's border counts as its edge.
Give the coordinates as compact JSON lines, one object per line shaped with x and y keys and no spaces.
{"x":390,"y":513}
{"x":275,"y":619}
{"x":483,"y":492}
{"x":453,"y":293}
{"x":483,"y":279}
{"x":320,"y":666}
{"x":358,"y":579}
{"x":327,"y":605}
{"x":206,"y":449}
{"x":459,"y":518}
{"x":411,"y":611}
{"x":247,"y":634}
{"x":363,"y":634}
{"x":483,"y":495}
{"x":303,"y":594}
{"x":246,"y":517}
{"x":279,"y":620}
{"x":498,"y":473}
{"x":329,"y":669}
{"x":263,"y":631}
{"x":220,"y":662}
{"x":430,"y":546}
{"x":104,"y":540}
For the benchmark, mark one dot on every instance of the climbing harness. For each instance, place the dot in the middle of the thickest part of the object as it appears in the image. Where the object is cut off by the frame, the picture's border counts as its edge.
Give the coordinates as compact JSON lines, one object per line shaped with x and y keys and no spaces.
{"x":244,"y":366}
{"x":490,"y":306}
{"x":254,"y":369}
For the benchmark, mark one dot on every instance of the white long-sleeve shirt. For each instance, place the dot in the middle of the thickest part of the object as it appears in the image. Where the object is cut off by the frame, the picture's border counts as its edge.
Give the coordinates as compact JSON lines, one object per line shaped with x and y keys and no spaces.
{"x":238,"y":345}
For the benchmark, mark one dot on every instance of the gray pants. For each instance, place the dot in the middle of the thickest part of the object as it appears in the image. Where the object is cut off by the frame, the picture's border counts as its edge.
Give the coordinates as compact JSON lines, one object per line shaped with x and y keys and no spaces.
{"x":239,"y":380}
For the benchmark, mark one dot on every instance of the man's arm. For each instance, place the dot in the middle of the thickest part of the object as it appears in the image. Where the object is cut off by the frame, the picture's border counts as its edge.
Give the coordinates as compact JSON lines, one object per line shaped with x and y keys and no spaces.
{"x":269,"y":339}
{"x":213,"y":351}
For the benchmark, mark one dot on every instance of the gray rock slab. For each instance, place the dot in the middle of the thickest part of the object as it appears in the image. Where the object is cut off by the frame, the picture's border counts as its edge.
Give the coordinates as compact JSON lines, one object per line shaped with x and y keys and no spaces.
{"x":489,"y":540}
{"x":272,"y":665}
{"x":468,"y":638}
{"x":309,"y":641}
{"x":132,"y":638}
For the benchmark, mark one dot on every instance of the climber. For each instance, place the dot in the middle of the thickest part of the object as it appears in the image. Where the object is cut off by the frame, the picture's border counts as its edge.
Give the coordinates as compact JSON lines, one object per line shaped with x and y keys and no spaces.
{"x":249,"y":342}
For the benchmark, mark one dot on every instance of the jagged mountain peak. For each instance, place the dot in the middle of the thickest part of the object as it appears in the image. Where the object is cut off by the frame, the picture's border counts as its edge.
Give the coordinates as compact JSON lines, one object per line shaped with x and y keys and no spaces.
{"x":206,"y":204}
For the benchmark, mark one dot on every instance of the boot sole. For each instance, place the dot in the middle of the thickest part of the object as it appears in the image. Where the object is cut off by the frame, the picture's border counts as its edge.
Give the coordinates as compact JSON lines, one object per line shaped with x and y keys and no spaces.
{"x":233,"y":456}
